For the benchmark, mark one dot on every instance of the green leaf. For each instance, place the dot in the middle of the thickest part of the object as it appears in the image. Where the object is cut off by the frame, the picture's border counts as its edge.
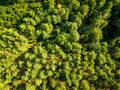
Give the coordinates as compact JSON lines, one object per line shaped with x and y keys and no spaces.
{"x":53,"y":67}
{"x":38,"y":82}
{"x":50,"y":73}
{"x":42,"y":74}
{"x":29,"y":64}
{"x":30,"y":87}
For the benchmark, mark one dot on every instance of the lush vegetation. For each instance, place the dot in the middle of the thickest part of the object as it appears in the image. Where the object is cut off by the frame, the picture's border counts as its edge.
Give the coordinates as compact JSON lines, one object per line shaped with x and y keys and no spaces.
{"x":59,"y":44}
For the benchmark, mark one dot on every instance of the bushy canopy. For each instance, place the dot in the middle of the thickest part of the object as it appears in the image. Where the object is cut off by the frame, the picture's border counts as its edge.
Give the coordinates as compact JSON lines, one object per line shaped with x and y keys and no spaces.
{"x":59,"y":44}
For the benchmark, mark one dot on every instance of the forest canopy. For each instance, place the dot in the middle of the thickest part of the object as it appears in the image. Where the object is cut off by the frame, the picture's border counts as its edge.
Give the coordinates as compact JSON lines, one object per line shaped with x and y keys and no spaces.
{"x":59,"y":44}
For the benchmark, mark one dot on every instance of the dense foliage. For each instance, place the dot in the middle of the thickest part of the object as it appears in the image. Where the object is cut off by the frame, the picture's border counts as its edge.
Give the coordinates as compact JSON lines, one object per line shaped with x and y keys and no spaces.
{"x":59,"y":44}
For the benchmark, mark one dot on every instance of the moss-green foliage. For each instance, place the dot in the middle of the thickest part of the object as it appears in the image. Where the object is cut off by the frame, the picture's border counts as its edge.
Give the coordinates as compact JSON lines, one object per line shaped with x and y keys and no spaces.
{"x":59,"y":44}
